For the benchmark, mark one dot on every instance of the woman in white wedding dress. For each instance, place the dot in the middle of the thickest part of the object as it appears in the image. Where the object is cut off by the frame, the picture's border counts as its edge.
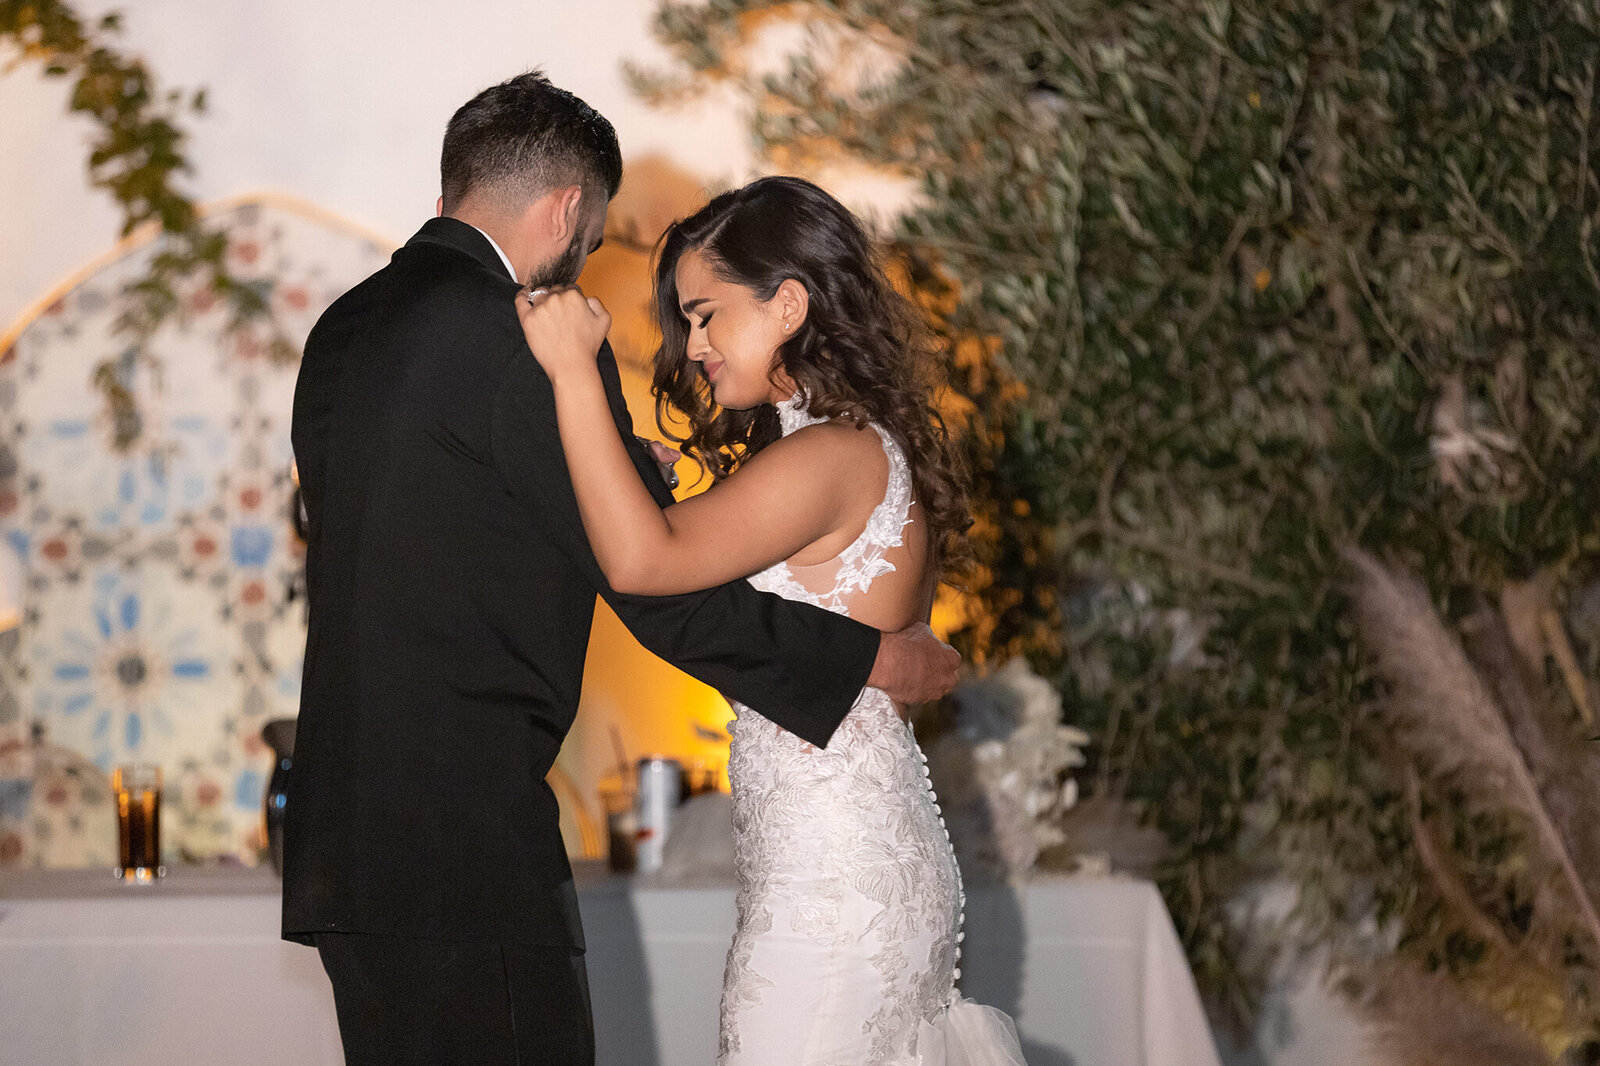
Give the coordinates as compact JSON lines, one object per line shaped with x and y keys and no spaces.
{"x":804,"y":382}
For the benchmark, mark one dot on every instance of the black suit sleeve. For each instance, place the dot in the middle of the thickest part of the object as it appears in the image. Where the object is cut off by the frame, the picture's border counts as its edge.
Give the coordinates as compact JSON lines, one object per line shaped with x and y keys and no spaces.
{"x":799,"y":665}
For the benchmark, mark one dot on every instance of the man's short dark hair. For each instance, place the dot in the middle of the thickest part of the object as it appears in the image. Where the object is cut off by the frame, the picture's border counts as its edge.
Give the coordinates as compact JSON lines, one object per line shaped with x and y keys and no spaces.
{"x":518,"y":140}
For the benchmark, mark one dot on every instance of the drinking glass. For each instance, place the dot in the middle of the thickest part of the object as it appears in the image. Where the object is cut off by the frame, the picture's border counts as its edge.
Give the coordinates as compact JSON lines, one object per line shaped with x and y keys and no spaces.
{"x":136,"y":789}
{"x":622,"y":823}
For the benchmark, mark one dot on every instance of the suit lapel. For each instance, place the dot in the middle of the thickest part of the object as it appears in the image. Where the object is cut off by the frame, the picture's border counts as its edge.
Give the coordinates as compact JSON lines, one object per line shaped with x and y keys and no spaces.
{"x":642,"y":459}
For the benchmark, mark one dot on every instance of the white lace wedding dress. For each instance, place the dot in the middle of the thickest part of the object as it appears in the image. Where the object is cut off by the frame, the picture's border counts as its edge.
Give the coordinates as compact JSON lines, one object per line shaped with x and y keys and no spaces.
{"x":849,"y":896}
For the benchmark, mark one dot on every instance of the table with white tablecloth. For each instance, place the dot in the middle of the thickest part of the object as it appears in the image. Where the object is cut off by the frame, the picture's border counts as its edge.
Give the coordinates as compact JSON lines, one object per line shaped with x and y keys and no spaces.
{"x":192,"y":971}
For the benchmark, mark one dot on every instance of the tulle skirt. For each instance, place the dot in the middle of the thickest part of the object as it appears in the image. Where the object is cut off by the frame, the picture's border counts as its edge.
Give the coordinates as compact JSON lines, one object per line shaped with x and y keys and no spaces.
{"x":969,"y":1034}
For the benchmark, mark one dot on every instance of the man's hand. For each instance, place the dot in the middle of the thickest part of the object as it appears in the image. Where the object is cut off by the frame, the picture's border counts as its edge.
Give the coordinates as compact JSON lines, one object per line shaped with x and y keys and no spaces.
{"x":914,"y":666}
{"x":665,"y":456}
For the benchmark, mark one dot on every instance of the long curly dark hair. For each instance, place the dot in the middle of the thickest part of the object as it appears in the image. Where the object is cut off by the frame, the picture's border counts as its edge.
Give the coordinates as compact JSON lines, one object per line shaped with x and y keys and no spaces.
{"x":862,"y":353}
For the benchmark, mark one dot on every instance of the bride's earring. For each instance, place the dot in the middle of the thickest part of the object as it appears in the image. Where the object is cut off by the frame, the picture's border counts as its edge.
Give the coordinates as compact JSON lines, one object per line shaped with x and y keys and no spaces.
{"x":786,"y":327}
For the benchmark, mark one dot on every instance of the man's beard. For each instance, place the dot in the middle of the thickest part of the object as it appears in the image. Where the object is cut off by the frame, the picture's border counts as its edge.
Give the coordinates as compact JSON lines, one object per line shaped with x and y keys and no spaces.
{"x":561,"y":270}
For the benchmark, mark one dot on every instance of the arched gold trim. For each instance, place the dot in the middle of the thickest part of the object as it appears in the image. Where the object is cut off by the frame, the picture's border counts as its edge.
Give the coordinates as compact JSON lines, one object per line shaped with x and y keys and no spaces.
{"x":571,"y":800}
{"x":150,"y":231}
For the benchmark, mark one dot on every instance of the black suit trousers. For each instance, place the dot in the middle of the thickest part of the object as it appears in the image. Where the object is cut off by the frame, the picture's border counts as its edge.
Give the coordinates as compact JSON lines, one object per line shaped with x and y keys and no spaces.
{"x":404,"y":1001}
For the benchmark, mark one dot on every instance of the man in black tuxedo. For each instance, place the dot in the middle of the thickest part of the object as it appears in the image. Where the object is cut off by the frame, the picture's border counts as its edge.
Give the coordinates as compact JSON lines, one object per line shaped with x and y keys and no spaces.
{"x":451,"y":592}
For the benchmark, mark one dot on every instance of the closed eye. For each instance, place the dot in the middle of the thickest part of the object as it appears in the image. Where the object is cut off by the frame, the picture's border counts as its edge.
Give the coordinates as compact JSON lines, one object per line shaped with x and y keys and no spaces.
{"x":692,"y":307}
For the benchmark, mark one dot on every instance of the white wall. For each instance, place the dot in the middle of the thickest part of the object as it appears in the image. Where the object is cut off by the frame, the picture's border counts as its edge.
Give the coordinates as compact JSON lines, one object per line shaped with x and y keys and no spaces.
{"x":337,"y":102}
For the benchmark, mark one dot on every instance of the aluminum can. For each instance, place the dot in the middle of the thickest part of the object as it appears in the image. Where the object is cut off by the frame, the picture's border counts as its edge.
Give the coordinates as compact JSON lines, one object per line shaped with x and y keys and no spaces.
{"x":660,"y":788}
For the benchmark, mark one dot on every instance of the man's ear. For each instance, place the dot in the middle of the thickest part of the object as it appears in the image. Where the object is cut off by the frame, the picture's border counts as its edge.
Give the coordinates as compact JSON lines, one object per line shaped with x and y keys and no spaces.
{"x":438,"y":207}
{"x":568,"y":205}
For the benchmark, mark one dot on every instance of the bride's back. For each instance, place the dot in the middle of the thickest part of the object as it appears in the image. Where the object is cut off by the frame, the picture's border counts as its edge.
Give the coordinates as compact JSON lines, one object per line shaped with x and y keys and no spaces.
{"x":877,"y":567}
{"x":894,"y":600}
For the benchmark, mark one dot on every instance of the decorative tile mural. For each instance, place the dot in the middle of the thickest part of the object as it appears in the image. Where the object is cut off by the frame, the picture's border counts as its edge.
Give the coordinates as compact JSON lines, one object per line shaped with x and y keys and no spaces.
{"x":160,"y":615}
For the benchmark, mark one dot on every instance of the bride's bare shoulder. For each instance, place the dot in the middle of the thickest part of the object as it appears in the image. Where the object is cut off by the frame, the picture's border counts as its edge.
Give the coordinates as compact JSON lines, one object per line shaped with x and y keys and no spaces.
{"x":832,"y":457}
{"x":839,"y":440}
{"x":838,"y":459}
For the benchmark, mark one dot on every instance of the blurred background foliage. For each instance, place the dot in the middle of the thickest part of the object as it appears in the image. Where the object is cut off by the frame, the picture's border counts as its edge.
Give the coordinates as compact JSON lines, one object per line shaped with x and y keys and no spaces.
{"x":1232,"y":291}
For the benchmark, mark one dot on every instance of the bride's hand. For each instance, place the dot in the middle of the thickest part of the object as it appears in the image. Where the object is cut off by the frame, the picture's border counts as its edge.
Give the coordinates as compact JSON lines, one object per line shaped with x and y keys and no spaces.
{"x":564,"y":328}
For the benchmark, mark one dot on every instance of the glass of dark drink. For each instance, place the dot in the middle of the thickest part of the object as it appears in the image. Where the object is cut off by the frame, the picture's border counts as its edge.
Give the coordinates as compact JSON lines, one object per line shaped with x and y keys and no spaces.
{"x":136,"y":790}
{"x":622,"y":824}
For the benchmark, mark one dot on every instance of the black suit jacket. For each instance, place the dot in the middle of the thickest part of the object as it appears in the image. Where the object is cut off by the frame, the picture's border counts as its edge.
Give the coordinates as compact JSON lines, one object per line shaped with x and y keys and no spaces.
{"x":451,"y":591}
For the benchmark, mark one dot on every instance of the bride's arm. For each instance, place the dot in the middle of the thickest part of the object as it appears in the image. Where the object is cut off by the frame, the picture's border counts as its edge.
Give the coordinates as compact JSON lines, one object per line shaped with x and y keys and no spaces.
{"x":782,"y":500}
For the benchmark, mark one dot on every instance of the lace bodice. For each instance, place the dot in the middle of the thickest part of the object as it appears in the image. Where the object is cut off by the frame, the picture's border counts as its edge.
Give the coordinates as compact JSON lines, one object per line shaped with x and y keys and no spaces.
{"x":849,"y":896}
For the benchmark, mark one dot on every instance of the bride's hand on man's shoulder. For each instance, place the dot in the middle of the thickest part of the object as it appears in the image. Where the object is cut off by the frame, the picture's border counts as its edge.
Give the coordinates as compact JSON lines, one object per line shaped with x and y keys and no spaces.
{"x":564,"y":328}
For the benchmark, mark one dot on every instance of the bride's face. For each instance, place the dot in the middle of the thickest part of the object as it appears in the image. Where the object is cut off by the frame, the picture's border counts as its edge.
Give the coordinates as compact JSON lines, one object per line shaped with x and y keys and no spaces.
{"x":733,"y":335}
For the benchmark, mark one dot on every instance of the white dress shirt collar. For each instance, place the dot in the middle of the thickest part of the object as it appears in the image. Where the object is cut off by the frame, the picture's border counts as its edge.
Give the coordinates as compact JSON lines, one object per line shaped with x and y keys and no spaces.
{"x":501,"y":253}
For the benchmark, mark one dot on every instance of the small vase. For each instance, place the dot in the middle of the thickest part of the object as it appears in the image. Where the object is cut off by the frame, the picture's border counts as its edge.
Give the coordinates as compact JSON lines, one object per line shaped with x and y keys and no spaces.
{"x":279,"y":736}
